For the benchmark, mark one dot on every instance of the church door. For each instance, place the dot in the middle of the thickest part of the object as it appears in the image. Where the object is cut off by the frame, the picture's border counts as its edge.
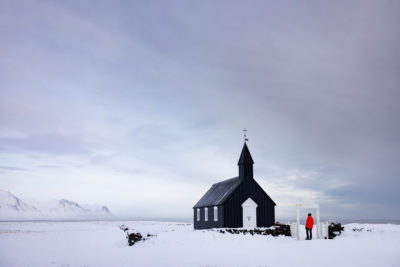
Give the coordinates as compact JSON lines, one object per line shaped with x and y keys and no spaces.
{"x":249,"y":208}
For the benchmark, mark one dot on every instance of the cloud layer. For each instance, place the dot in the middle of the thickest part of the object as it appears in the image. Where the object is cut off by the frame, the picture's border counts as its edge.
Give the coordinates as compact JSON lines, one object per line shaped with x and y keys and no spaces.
{"x":141,"y":105}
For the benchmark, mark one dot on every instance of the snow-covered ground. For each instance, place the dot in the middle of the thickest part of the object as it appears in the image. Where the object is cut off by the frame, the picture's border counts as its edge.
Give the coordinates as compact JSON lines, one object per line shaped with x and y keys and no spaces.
{"x":102,"y":243}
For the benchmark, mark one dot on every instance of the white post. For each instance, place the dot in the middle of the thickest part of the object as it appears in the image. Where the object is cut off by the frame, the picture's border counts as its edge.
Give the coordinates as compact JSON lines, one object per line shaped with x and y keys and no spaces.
{"x":293,"y":230}
{"x":298,"y":221}
{"x":318,"y":225}
{"x":327,"y":230}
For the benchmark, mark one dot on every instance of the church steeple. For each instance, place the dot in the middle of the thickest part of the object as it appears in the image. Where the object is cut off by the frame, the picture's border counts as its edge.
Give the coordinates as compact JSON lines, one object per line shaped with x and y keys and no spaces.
{"x":245,"y":163}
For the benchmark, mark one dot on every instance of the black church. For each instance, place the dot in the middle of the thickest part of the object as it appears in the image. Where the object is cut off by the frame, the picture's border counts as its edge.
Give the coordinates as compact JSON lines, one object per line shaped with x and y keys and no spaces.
{"x":236,"y":202}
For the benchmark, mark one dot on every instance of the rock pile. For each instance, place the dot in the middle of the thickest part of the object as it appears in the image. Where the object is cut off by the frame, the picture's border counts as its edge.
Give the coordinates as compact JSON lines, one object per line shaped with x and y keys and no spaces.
{"x":361,"y":229}
{"x":133,"y":237}
{"x":335,"y":229}
{"x":276,"y":230}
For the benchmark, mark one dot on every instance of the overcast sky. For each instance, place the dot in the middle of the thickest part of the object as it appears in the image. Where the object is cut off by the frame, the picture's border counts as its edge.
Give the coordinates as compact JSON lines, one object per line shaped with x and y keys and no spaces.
{"x":140,"y":105}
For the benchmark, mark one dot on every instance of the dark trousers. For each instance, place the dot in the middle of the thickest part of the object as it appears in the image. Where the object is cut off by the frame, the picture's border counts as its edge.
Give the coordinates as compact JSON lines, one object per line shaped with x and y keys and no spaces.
{"x":309,"y":231}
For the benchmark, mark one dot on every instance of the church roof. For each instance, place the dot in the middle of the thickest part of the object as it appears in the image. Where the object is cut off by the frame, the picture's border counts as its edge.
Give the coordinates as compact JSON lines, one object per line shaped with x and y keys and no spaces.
{"x":245,"y":156}
{"x":218,"y":192}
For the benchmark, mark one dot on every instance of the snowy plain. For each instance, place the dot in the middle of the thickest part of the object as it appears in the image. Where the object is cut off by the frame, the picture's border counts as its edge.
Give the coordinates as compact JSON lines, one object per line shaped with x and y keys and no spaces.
{"x":102,"y":243}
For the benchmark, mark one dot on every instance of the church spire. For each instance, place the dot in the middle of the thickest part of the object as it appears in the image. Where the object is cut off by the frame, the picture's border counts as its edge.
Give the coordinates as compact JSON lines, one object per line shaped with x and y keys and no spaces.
{"x":245,"y":163}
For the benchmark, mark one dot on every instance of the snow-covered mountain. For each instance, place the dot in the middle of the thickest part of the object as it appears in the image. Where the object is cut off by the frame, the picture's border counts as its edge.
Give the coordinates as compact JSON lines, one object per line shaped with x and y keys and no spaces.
{"x":11,"y":207}
{"x":70,"y":209}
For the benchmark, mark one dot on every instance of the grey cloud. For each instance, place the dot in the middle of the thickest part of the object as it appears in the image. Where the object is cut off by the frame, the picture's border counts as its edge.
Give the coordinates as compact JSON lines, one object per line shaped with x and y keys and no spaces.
{"x":49,"y":166}
{"x":316,"y":83}
{"x":11,"y":168}
{"x":53,"y":144}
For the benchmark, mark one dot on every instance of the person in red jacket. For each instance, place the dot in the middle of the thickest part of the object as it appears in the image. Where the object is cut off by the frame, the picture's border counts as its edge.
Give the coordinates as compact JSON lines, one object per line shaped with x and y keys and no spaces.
{"x":309,"y":226}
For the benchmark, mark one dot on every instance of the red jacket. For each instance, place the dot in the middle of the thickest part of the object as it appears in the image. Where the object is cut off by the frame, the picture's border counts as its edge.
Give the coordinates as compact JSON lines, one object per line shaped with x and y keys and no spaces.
{"x":309,"y":222}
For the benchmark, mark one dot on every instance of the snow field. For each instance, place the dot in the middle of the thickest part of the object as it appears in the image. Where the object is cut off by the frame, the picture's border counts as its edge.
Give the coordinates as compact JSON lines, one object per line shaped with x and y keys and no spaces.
{"x":177,"y":244}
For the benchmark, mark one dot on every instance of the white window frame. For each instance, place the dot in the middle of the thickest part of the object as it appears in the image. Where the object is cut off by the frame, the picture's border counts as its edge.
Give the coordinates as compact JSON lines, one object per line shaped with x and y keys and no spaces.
{"x":215,"y":214}
{"x":206,"y":214}
{"x":198,"y":215}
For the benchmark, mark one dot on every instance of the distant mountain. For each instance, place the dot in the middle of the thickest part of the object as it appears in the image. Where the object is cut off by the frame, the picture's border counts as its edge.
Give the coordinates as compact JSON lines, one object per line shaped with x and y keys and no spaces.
{"x":98,"y":209}
{"x":13,"y":208}
{"x":69,"y":209}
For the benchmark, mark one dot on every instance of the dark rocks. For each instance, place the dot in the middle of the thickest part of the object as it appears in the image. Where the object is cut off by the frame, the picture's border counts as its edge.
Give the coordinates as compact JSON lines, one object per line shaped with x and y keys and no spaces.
{"x":133,"y":237}
{"x":282,"y":229}
{"x":335,"y":229}
{"x":276,"y":230}
{"x":360,"y":229}
{"x":123,"y":228}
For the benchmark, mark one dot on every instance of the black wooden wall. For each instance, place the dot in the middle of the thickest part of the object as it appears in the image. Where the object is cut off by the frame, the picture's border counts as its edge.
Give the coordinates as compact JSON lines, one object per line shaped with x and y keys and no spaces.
{"x":202,"y":224}
{"x":233,"y":215}
{"x":230,"y":214}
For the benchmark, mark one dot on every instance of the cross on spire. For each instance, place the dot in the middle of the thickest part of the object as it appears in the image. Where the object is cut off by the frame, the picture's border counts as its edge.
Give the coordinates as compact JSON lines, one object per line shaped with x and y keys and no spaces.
{"x":244,"y":134}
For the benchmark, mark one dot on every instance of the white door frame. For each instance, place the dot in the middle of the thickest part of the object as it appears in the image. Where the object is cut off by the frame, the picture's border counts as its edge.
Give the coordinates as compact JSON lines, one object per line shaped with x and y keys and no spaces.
{"x":251,"y":212}
{"x":307,"y":206}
